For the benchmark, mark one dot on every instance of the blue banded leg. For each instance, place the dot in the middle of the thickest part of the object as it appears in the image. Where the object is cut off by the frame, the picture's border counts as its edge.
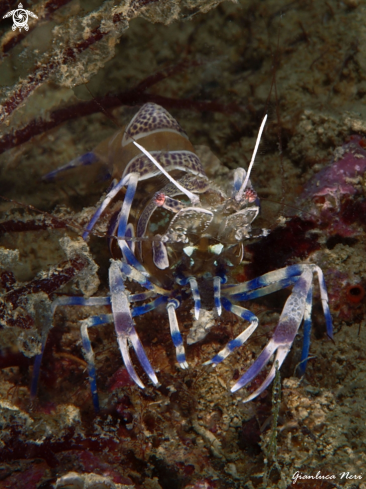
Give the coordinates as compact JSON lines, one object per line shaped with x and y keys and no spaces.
{"x":324,"y":299}
{"x":181,"y":280}
{"x":88,"y":351}
{"x":307,"y":330}
{"x":239,"y":340}
{"x":124,"y":326}
{"x":269,"y":278}
{"x":150,"y":306}
{"x":283,"y":337}
{"x":143,"y":296}
{"x":61,"y":301}
{"x":239,"y":177}
{"x":126,"y":206}
{"x":307,"y":317}
{"x":136,"y":311}
{"x":268,"y":289}
{"x":217,"y":294}
{"x":80,"y":301}
{"x":263,"y":359}
{"x":175,"y":333}
{"x":111,"y":194}
{"x":130,"y":257}
{"x":123,"y":226}
{"x":86,"y":159}
{"x":89,"y":354}
{"x":196,"y":296}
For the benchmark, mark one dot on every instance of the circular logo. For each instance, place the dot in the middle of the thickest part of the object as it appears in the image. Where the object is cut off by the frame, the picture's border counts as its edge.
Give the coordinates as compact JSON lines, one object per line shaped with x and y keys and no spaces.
{"x":20,"y":19}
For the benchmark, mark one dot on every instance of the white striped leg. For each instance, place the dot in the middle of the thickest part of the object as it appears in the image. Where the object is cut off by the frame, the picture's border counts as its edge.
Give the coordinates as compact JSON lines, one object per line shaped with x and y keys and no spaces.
{"x":196,"y":296}
{"x":281,"y":275}
{"x":61,"y":301}
{"x":122,"y":224}
{"x":284,"y":335}
{"x":281,"y":354}
{"x":239,"y":177}
{"x":239,"y":340}
{"x":175,"y":333}
{"x":89,"y":354}
{"x":126,"y":206}
{"x":142,"y":296}
{"x":111,"y":194}
{"x":324,"y":299}
{"x":306,"y":330}
{"x":217,"y":294}
{"x":123,"y":348}
{"x":124,"y":326}
{"x":80,"y":301}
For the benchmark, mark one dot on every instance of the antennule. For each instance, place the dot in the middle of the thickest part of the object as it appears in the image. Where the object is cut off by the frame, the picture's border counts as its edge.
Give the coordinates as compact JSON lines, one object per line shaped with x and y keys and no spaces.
{"x":192,"y":197}
{"x":239,"y":195}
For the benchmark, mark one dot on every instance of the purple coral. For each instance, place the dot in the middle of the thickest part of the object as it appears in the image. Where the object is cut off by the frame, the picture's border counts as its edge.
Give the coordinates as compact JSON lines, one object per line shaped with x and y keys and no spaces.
{"x":340,"y":206}
{"x":349,"y":162}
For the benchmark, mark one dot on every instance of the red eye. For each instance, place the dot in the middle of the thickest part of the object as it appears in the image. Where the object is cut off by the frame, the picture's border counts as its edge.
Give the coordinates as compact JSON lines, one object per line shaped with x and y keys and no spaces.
{"x":159,"y":199}
{"x":250,"y":195}
{"x":355,"y":293}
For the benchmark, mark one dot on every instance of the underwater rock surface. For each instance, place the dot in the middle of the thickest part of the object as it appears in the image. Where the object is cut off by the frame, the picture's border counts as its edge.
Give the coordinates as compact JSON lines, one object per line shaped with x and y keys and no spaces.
{"x":70,"y":43}
{"x":218,"y":74}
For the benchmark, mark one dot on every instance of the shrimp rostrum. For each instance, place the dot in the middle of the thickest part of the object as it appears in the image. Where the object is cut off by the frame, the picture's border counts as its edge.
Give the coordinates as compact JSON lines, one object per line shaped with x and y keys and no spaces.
{"x":176,"y":231}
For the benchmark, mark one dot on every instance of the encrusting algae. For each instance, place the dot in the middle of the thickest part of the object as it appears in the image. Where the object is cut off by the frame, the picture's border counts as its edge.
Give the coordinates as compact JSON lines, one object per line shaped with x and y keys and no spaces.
{"x":218,"y":74}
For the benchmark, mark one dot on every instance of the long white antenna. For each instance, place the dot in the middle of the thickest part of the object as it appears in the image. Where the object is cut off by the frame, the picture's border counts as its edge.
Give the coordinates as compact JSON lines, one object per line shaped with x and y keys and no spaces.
{"x":239,"y":195}
{"x":192,"y":197}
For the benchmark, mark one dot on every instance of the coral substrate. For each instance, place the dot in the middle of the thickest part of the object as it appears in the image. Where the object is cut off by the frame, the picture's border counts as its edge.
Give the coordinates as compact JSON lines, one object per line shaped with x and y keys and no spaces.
{"x":218,"y":73}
